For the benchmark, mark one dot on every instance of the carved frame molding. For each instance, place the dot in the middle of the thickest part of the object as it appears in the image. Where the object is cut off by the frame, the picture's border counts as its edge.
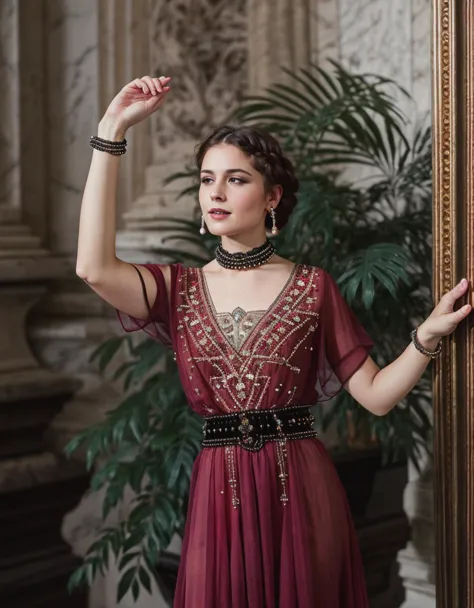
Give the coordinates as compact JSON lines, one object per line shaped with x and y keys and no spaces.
{"x":453,"y":258}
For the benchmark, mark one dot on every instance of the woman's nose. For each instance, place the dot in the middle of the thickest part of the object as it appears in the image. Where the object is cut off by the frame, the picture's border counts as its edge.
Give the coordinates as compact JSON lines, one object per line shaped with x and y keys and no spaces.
{"x":217,"y":196}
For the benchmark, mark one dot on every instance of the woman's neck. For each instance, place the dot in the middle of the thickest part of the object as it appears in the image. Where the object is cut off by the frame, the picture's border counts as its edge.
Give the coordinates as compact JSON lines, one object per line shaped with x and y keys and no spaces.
{"x":242,"y":243}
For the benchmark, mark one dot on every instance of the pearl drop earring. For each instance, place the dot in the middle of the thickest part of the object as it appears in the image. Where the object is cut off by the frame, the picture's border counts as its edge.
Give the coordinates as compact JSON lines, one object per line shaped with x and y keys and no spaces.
{"x":202,"y":230}
{"x":274,"y":227}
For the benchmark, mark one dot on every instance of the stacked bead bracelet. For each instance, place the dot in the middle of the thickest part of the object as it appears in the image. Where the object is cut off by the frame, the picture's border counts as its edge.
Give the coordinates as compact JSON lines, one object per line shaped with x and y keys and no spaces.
{"x":419,"y":347}
{"x":117,"y":148}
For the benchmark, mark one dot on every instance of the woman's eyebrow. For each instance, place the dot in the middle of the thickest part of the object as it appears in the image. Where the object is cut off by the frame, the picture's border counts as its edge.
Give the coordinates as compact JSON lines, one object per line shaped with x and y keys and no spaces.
{"x":227,"y":171}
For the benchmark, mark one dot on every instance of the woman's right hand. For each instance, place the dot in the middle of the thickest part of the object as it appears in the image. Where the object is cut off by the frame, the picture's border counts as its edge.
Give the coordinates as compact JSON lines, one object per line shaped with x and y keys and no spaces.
{"x":135,"y":102}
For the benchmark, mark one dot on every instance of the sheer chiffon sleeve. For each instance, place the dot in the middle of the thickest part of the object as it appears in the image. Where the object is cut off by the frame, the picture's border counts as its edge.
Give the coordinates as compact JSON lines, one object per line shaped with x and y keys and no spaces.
{"x":342,"y":344}
{"x":159,"y":322}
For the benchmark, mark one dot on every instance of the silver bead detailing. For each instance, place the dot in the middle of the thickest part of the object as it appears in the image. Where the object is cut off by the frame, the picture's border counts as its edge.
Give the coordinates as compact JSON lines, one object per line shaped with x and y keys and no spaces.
{"x":230,"y":455}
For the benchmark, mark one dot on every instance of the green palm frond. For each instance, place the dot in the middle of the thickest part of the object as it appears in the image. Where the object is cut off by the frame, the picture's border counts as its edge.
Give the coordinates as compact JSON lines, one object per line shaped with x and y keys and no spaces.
{"x":332,"y":118}
{"x":383,"y":263}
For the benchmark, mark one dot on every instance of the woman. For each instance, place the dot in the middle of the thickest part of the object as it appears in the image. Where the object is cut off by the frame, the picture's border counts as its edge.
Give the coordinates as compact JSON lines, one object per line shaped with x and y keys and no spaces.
{"x":257,"y":339}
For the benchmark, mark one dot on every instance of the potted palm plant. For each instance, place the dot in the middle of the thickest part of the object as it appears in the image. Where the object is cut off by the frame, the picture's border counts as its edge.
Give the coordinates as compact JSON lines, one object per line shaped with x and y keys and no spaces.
{"x":371,"y":235}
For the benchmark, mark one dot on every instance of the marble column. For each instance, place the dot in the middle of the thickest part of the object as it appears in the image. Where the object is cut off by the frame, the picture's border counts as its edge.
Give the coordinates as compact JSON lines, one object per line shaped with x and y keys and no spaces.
{"x":82,"y":50}
{"x":32,"y":476}
{"x":417,"y":565}
{"x":417,"y":562}
{"x":391,"y":40}
{"x":27,"y":265}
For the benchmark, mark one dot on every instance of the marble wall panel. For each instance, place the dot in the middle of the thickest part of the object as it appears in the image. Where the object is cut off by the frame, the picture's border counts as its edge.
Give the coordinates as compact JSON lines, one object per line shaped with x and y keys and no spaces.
{"x":32,"y":109}
{"x":72,"y":111}
{"x":325,"y":25}
{"x":9,"y":106}
{"x":375,"y":36}
{"x":387,"y":38}
{"x":421,"y":57}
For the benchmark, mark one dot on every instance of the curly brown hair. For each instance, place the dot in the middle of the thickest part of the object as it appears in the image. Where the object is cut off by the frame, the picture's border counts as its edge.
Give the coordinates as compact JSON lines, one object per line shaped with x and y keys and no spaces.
{"x":267,"y":158}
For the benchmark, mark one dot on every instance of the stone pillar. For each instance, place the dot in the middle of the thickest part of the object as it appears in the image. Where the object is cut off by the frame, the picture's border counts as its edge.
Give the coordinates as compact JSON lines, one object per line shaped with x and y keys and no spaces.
{"x":391,"y":40}
{"x":417,"y":560}
{"x":62,"y":39}
{"x":82,"y":51}
{"x":26,"y":264}
{"x":33,"y":480}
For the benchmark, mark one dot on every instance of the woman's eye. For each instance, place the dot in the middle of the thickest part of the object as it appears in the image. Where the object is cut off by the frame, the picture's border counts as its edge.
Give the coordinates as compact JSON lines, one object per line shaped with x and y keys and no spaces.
{"x":233,"y":180}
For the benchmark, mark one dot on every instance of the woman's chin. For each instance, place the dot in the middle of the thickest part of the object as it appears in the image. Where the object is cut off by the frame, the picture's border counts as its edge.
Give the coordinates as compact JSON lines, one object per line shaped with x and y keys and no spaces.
{"x":221,"y":230}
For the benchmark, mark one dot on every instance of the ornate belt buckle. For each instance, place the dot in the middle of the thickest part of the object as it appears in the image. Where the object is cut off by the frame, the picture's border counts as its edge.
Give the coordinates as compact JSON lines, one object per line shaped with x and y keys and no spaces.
{"x":248,"y":440}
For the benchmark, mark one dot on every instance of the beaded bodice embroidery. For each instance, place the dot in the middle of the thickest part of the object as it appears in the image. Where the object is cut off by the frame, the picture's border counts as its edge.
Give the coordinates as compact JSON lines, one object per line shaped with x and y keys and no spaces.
{"x":261,"y":367}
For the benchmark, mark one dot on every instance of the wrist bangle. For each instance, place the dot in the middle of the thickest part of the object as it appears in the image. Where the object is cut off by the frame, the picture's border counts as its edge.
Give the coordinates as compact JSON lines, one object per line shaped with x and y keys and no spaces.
{"x":117,"y":148}
{"x":419,"y":347}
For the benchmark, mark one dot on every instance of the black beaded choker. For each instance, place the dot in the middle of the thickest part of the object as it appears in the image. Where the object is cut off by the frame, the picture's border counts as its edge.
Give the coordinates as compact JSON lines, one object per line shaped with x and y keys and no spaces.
{"x":243,"y":260}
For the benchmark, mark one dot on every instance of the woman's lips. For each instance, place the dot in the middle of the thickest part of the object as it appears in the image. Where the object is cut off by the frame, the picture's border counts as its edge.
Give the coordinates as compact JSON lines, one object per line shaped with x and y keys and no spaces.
{"x":219,"y":216}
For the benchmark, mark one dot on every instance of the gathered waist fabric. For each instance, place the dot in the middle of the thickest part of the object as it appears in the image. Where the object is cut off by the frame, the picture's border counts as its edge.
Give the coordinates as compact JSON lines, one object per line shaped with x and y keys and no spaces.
{"x":250,"y":430}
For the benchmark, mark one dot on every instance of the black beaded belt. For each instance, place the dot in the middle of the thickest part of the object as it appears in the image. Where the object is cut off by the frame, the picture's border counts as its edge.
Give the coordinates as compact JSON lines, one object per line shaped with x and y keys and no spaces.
{"x":253,"y":428}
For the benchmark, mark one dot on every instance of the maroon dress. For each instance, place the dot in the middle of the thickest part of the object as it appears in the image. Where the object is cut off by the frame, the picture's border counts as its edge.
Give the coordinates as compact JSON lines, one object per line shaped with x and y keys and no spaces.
{"x":255,"y":539}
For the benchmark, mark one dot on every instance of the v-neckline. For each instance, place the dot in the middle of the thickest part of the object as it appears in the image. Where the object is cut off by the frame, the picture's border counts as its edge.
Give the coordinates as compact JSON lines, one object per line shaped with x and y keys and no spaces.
{"x":214,"y":314}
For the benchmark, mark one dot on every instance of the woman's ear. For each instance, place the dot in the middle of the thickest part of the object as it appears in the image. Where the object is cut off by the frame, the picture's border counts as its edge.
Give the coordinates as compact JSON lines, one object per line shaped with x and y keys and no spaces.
{"x":275,"y":196}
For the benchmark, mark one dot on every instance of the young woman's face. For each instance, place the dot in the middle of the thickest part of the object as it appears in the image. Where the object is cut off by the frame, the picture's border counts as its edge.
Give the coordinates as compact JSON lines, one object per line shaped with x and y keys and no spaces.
{"x":232,"y":188}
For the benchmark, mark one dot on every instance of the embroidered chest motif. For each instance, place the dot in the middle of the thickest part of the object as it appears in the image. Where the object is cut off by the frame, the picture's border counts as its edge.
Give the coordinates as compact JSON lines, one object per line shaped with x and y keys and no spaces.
{"x":237,"y":325}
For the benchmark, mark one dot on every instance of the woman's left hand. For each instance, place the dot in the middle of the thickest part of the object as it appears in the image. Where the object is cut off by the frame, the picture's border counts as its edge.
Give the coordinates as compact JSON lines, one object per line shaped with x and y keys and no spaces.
{"x":444,"y":320}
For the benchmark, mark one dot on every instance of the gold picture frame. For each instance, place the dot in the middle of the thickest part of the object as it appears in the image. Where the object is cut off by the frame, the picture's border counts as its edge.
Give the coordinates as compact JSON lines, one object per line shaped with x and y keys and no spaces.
{"x":453,"y":258}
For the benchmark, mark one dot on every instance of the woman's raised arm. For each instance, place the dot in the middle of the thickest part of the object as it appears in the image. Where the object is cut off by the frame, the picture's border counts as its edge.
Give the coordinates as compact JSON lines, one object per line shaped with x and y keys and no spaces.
{"x":97,"y":264}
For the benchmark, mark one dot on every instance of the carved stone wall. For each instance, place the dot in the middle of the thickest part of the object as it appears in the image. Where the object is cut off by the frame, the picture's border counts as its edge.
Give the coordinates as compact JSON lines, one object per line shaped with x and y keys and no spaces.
{"x":203,"y":46}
